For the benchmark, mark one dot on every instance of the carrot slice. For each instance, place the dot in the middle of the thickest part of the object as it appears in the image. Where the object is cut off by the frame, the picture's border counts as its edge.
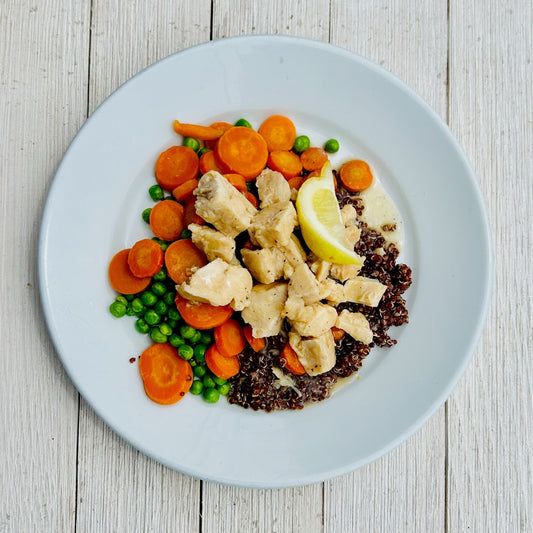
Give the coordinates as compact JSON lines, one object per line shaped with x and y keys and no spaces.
{"x":242,"y":151}
{"x":175,"y":166}
{"x":338,"y":333}
{"x":166,"y":220}
{"x":202,"y":133}
{"x":121,"y":277}
{"x":224,"y":126}
{"x":279,"y":132}
{"x":257,"y":344}
{"x":202,"y":315}
{"x":145,"y":258}
{"x":189,"y":215}
{"x":314,"y":158}
{"x":290,"y":361}
{"x":229,"y":338}
{"x":296,"y":182}
{"x":356,"y":175}
{"x":288,"y":163}
{"x":185,"y":190}
{"x":181,"y":257}
{"x":252,"y":199}
{"x":222,"y":367}
{"x":237,"y":181}
{"x":166,"y":376}
{"x":208,"y":162}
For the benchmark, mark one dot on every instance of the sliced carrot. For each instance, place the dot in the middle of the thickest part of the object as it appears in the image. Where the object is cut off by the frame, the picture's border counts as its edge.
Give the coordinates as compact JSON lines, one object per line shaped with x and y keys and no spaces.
{"x":166,"y":376}
{"x":252,"y":199}
{"x":288,"y":163}
{"x":229,"y":338}
{"x":181,"y":258}
{"x":208,"y":162}
{"x":175,"y":166}
{"x":166,"y":220}
{"x":202,"y":315}
{"x":314,"y":158}
{"x":257,"y":344}
{"x":237,"y":181}
{"x":242,"y":151}
{"x":279,"y":132}
{"x":356,"y":175}
{"x":121,"y":277}
{"x":224,"y":126}
{"x":290,"y":361}
{"x":145,"y":258}
{"x":202,"y":133}
{"x":338,"y":333}
{"x":222,"y":367}
{"x":189,"y":215}
{"x":185,"y":190}
{"x":296,"y":182}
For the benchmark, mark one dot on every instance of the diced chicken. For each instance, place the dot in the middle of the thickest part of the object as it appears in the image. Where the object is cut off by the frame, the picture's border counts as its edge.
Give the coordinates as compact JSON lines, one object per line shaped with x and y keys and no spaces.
{"x":293,"y":254}
{"x":221,"y":204}
{"x":219,"y":283}
{"x":356,"y":325}
{"x":332,"y":291}
{"x":364,"y":291}
{"x":272,"y":188}
{"x":213,"y":243}
{"x":317,"y":355}
{"x":351,"y":235}
{"x":313,"y":320}
{"x":264,"y":310}
{"x":303,"y":284}
{"x":293,"y":307}
{"x":344,"y":272}
{"x":273,"y":225}
{"x":265,"y":264}
{"x":348,"y":215}
{"x":319,"y":267}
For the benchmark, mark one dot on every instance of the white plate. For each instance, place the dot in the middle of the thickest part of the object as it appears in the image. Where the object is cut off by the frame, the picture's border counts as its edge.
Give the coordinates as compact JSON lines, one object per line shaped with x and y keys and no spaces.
{"x":93,"y":210}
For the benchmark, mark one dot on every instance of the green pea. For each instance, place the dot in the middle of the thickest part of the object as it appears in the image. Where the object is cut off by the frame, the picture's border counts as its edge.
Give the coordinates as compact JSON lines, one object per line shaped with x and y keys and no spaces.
{"x":301,"y":144}
{"x":176,"y":340}
{"x":148,"y":298}
{"x":185,"y":234}
{"x":161,"y":275}
{"x":130,"y":311}
{"x":199,"y":371}
{"x":165,"y":329}
{"x":211,"y":395}
{"x":141,"y":326}
{"x":199,"y":351}
{"x":129,"y":297}
{"x":203,"y":151}
{"x":169,"y":298}
{"x":224,"y":389}
{"x":208,"y":381}
{"x":187,"y":332}
{"x":156,"y":193}
{"x":161,"y":308}
{"x":117,"y":309}
{"x":185,"y":352}
{"x":243,"y":122}
{"x":192,"y":362}
{"x":138,"y":306}
{"x":174,"y":314}
{"x":157,"y":336}
{"x":196,"y":337}
{"x":196,"y":388}
{"x":121,"y":299}
{"x":191,"y":142}
{"x":152,"y":317}
{"x":331,"y":146}
{"x":161,"y":242}
{"x":146,"y":214}
{"x":172,"y":323}
{"x":219,"y":381}
{"x":206,"y":338}
{"x":158,"y":288}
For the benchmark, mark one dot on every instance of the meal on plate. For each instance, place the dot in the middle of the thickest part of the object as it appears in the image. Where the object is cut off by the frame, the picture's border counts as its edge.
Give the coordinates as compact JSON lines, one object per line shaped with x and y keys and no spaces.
{"x":270,"y":275}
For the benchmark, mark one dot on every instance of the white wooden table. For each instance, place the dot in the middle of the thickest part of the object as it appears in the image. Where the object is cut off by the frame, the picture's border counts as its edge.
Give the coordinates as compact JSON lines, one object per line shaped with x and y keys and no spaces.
{"x":468,"y":469}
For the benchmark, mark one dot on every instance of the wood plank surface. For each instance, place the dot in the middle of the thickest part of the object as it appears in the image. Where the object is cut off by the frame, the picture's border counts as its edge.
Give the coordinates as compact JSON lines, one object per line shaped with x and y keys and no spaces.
{"x":490,"y":428}
{"x":43,"y":75}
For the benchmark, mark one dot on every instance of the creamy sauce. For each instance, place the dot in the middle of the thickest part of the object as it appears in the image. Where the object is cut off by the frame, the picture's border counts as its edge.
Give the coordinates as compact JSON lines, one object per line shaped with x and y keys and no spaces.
{"x":380,"y":211}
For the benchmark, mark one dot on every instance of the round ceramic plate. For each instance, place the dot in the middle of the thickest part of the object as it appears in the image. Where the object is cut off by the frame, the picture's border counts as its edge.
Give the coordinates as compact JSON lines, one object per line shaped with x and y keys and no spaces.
{"x":93,"y":210}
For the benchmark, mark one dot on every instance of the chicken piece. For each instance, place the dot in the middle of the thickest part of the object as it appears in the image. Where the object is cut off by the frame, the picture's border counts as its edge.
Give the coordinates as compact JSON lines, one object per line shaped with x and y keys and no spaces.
{"x":264,"y":310}
{"x":356,"y":325}
{"x":317,"y":354}
{"x":348,"y":215}
{"x":314,"y":320}
{"x":293,"y":254}
{"x":351,"y":235}
{"x":221,"y":204}
{"x":219,"y":283}
{"x":272,"y":188}
{"x":303,"y":284}
{"x":332,"y":291}
{"x":213,"y":243}
{"x":265,"y":264}
{"x":344,"y":272}
{"x":318,"y":266}
{"x":273,"y":225}
{"x":364,"y":291}
{"x":293,"y":307}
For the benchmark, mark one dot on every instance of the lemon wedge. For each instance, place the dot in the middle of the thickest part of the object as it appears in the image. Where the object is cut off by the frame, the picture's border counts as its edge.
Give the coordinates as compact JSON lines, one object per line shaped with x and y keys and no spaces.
{"x":320,"y":220}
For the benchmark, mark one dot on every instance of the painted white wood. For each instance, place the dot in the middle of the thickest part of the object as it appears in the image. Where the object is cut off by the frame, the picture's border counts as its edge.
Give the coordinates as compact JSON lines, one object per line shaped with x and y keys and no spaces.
{"x":120,"y":489}
{"x":404,"y":490}
{"x":43,"y":71}
{"x":491,"y":413}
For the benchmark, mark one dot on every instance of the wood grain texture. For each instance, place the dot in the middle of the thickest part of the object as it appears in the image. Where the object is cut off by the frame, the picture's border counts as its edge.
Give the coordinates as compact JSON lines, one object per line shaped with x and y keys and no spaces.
{"x":120,"y":489}
{"x":43,"y":71}
{"x":491,"y":413}
{"x":406,"y":488}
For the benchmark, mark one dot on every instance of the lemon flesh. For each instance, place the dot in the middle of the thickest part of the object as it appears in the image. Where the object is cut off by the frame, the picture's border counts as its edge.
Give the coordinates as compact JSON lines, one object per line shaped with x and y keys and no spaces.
{"x":320,"y":220}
